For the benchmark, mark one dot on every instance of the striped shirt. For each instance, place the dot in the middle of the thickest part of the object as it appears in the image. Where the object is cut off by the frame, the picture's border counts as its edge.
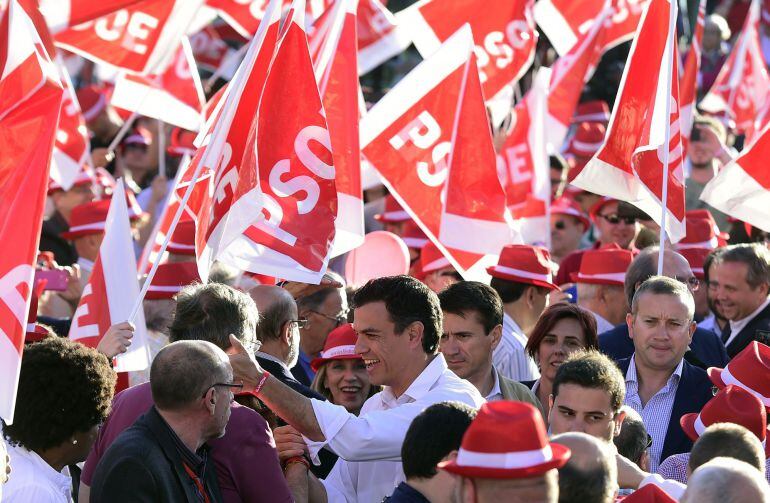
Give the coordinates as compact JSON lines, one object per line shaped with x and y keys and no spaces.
{"x":675,"y":467}
{"x":656,"y":413}
{"x":510,"y":358}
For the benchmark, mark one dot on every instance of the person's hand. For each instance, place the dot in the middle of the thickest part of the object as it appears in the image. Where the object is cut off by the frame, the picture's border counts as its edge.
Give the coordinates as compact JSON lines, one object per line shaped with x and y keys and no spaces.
{"x":117,"y":339}
{"x":716,"y":146}
{"x":629,"y":474}
{"x":101,"y":157}
{"x":74,"y":286}
{"x":289,"y":443}
{"x":245,"y":367}
{"x":159,"y":189}
{"x":298,"y":290}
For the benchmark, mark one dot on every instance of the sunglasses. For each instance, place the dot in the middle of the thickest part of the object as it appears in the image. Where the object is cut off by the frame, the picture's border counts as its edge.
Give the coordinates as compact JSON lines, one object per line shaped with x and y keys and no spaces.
{"x":615,"y":219}
{"x":339,"y":319}
{"x":692,"y":283}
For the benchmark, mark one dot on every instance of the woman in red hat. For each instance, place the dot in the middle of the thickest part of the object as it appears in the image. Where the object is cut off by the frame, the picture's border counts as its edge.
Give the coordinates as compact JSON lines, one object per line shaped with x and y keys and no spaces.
{"x":340,"y":372}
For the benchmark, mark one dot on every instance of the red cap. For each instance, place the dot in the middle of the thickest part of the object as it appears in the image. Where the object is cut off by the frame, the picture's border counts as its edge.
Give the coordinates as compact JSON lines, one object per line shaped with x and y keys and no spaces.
{"x":649,"y":494}
{"x":566,"y":206}
{"x":525,"y":264}
{"x":601,"y":203}
{"x":340,"y":345}
{"x":696,"y":257}
{"x":749,"y":369}
{"x":431,"y":259}
{"x":86,"y":219}
{"x":393,"y":211}
{"x":170,"y":278}
{"x":181,"y":142}
{"x":604,"y":266}
{"x":413,"y":236}
{"x":137,"y":136}
{"x":587,"y":140}
{"x":85,"y":177}
{"x":182,"y":240}
{"x":487,"y":452}
{"x":92,"y":100}
{"x":592,"y":111}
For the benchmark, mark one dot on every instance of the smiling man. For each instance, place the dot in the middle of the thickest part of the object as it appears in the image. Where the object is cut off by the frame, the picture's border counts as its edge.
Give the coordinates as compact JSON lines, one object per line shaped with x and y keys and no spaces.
{"x":398,"y":322}
{"x":660,"y":385}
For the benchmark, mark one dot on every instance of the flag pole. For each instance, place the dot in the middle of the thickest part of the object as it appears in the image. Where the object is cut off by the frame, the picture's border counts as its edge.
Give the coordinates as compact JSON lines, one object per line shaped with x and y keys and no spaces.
{"x":667,"y":145}
{"x":224,"y":66}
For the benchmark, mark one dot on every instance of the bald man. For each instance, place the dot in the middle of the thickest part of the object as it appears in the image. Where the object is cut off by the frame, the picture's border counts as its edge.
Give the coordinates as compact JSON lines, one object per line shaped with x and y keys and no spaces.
{"x":591,"y":472}
{"x":726,"y":480}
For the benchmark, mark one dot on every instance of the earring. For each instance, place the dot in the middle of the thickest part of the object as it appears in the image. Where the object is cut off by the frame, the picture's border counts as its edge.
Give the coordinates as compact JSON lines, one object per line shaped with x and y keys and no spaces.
{"x":74,"y":441}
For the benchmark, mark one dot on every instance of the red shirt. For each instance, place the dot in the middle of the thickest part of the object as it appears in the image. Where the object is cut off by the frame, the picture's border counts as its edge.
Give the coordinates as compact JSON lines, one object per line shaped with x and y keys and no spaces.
{"x":245,"y":457}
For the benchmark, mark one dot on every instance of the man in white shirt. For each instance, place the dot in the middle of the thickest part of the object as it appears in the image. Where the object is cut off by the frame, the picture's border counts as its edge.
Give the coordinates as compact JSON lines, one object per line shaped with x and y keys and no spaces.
{"x":600,"y":285}
{"x":523,"y":279}
{"x":398,"y":321}
{"x":743,"y":292}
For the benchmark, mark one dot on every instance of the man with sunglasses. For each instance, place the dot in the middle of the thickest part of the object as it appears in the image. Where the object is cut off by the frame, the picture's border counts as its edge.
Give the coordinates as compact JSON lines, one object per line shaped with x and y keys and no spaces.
{"x":568,"y":224}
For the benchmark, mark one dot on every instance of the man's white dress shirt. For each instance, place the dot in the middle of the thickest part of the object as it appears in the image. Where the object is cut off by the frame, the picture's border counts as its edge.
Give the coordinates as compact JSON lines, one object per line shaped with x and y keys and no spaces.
{"x":738,"y":325}
{"x":510,"y":358}
{"x":369,"y":445}
{"x":32,"y":479}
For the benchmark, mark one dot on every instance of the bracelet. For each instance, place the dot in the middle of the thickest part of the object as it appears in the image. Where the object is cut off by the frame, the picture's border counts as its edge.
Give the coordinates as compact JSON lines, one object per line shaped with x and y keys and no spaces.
{"x":261,"y":382}
{"x":296,"y":459}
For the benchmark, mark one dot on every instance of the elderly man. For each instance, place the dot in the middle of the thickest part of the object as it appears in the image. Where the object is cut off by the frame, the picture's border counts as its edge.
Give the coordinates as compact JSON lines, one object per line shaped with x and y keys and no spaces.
{"x":591,"y":472}
{"x":708,"y":483}
{"x":600,"y":285}
{"x":398,"y":322}
{"x":156,"y":458}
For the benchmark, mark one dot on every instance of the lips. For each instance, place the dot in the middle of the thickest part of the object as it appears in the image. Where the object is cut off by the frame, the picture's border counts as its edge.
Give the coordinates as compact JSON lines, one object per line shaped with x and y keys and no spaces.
{"x":350,"y":389}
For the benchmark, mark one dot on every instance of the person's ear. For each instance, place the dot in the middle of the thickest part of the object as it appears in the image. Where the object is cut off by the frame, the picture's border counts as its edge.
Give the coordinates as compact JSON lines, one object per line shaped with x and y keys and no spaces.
{"x":415,"y":332}
{"x":692,"y":328}
{"x":286,"y":333}
{"x":451,"y":456}
{"x":619,"y":418}
{"x":209,"y":400}
{"x":496,"y":334}
{"x":530,"y":295}
{"x":630,"y":323}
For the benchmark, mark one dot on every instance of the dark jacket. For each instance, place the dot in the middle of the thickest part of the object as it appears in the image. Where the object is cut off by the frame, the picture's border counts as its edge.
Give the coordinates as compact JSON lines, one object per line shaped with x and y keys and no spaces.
{"x":146,"y":464}
{"x":706,"y":349}
{"x":692,"y":393}
{"x":405,"y":493}
{"x":758,"y":329}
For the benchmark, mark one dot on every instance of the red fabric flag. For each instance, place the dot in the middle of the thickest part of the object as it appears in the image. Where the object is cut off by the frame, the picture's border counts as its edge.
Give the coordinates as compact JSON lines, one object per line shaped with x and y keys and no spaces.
{"x":209,"y":50}
{"x":61,"y":14}
{"x":629,"y":166}
{"x":72,"y":146}
{"x":245,"y":15}
{"x":30,"y":100}
{"x":688,"y":87}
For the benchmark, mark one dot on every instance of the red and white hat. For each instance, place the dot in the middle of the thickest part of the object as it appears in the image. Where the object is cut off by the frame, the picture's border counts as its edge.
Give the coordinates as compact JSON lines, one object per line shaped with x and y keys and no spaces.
{"x":137,"y":136}
{"x":649,"y":493}
{"x":699,"y":234}
{"x":182,"y":240}
{"x":393,"y":212}
{"x":732,"y":404}
{"x":696,"y":257}
{"x":85,"y":177}
{"x":525,"y":264}
{"x":413,"y":236}
{"x":181,"y":142}
{"x":170,"y":278}
{"x":92,"y":100}
{"x":506,"y":440}
{"x":749,"y":369}
{"x":134,"y":210}
{"x":587,"y":140}
{"x":601,"y":203}
{"x":566,"y":206}
{"x":604,"y":266}
{"x":592,"y":111}
{"x":340,"y":345}
{"x":87,"y":219}
{"x":431,"y":258}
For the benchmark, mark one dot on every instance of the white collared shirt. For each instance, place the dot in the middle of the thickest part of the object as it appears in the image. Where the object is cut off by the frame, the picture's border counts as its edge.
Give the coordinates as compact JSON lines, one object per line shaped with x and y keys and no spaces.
{"x":602,"y":325}
{"x":369,"y":445}
{"x":495,"y":393}
{"x":510,"y":358}
{"x":32,"y":479}
{"x":738,"y":325}
{"x":710,"y":323}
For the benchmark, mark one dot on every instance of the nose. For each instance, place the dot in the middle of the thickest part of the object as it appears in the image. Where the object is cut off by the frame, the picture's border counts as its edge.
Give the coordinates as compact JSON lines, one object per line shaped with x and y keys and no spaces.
{"x":360,"y":347}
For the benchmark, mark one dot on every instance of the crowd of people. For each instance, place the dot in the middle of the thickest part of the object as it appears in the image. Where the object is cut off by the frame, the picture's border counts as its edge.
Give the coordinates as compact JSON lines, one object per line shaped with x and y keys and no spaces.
{"x":604,"y":366}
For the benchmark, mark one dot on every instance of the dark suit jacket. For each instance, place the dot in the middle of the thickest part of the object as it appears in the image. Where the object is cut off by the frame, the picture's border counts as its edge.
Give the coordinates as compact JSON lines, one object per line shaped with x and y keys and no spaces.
{"x":144,"y":465}
{"x":706,"y":349}
{"x":694,"y":390}
{"x":758,"y":329}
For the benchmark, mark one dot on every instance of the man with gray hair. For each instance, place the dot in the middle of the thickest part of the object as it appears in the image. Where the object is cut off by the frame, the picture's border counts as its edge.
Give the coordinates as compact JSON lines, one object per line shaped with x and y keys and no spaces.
{"x":660,"y":385}
{"x":725,"y":480}
{"x":591,"y":472}
{"x":743,"y":293}
{"x":705,"y":350}
{"x":157,"y":458}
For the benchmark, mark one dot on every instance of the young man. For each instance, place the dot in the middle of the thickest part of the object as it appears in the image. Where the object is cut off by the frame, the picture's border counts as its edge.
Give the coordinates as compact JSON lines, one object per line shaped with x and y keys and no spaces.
{"x":473,"y":325}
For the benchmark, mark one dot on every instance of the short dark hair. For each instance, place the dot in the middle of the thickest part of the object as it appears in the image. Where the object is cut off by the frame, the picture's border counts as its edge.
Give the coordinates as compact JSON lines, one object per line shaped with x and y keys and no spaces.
{"x":710,"y":259}
{"x":592,"y":369}
{"x":756,"y":256}
{"x":211,"y":313}
{"x":313,"y":301}
{"x":557,"y":312}
{"x":728,"y":440}
{"x":631,"y":442}
{"x":407,"y":300}
{"x":433,"y":434}
{"x":663,"y":285}
{"x":511,"y":291}
{"x":272,"y":319}
{"x":64,"y":388}
{"x":471,"y":296}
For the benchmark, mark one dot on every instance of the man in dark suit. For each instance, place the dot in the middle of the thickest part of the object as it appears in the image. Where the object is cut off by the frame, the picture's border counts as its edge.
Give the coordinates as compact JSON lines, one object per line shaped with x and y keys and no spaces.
{"x":163,"y":456}
{"x":705,"y":349}
{"x":742,"y":286}
{"x":660,"y":385}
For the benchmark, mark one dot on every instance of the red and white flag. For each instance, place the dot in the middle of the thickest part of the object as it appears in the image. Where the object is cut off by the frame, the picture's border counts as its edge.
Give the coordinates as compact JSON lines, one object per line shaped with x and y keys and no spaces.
{"x":688,"y":87}
{"x":630,"y":164}
{"x":504,"y":30}
{"x":140,"y":38}
{"x":209,"y":50}
{"x":174,"y":96}
{"x":112,"y":290}
{"x":72,"y":146}
{"x":30,"y":99}
{"x":245,"y":15}
{"x":61,"y":14}
{"x":407,"y":137}
{"x":742,"y":188}
{"x":379,"y":38}
{"x":564,"y":21}
{"x":742,"y":85}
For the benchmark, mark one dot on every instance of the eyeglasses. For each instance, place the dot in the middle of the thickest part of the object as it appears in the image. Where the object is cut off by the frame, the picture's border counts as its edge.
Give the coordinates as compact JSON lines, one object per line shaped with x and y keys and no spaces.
{"x":301,"y":322}
{"x":649,"y":442}
{"x":339,"y":319}
{"x":232,"y":385}
{"x":615,"y":219}
{"x":692,"y":283}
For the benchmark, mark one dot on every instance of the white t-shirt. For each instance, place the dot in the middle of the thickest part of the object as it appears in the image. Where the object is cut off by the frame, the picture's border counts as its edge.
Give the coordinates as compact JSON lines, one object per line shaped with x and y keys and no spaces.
{"x":34,"y":480}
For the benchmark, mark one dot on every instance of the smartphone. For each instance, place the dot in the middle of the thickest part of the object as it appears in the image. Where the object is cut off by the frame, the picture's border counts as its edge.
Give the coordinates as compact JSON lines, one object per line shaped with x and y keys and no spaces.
{"x":55,"y":280}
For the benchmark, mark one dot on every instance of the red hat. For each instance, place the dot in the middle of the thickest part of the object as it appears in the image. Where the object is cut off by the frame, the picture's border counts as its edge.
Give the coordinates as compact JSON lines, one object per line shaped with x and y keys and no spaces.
{"x":182,"y":240}
{"x":532,"y":207}
{"x":393,"y":211}
{"x":587,"y":140}
{"x":85,"y":177}
{"x":506,"y":440}
{"x":134,"y":210}
{"x":340,"y":345}
{"x":732,"y":404}
{"x":137,"y":136}
{"x":699,"y":234}
{"x":525,"y":264}
{"x":170,"y":278}
{"x":566,"y":206}
{"x":87,"y":219}
{"x":592,"y":111}
{"x":649,"y":493}
{"x":696,"y":257}
{"x":181,"y":142}
{"x":749,"y":369}
{"x":601,"y":203}
{"x":92,"y":100}
{"x":604,"y":266}
{"x":704,"y":214}
{"x":431,"y":258}
{"x":413,"y":236}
